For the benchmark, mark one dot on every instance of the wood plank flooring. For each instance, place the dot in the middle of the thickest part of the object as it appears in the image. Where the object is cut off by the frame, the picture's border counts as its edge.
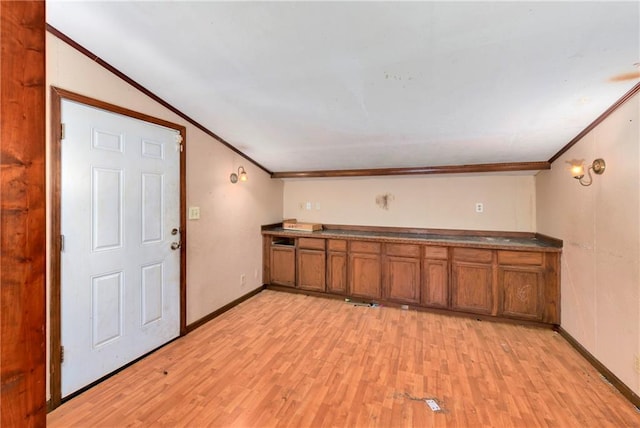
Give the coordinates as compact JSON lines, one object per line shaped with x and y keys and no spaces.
{"x":283,"y":359}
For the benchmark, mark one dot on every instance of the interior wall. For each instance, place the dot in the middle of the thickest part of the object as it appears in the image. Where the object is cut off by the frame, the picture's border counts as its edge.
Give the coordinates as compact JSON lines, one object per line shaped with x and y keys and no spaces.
{"x":444,"y":201}
{"x":226,"y":242}
{"x":600,"y":226}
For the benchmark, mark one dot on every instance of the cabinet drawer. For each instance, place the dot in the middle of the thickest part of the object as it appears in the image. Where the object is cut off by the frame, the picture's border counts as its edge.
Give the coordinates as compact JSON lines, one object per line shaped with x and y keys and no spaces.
{"x":473,"y":255}
{"x":337,"y":245}
{"x":403,"y":250}
{"x":520,"y":258}
{"x":365,"y":247}
{"x":435,"y":252}
{"x":311,"y":243}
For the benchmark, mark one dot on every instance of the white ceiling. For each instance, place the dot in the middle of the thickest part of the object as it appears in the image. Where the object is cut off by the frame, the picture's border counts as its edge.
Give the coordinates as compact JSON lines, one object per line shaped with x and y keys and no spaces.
{"x":350,"y":85}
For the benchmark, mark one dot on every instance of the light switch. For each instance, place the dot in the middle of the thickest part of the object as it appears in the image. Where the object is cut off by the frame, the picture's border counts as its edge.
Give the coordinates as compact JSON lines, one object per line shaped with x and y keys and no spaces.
{"x":194,"y":213}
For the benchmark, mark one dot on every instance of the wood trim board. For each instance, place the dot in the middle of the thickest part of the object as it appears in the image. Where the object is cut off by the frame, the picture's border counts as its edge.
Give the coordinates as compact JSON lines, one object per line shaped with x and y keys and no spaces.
{"x":371,"y":172}
{"x":604,"y":371}
{"x":597,"y":122}
{"x":199,"y":323}
{"x":425,"y":170}
{"x":23,"y":219}
{"x":68,"y":40}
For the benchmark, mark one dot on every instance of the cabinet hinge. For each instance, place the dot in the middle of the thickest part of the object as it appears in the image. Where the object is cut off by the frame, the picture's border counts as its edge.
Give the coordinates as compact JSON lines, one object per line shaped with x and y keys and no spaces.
{"x":61,"y":354}
{"x":62,"y":131}
{"x":61,"y":243}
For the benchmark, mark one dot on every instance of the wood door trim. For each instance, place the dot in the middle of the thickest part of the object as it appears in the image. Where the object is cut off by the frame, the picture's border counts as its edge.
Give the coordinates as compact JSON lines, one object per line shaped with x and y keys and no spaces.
{"x":55,"y":176}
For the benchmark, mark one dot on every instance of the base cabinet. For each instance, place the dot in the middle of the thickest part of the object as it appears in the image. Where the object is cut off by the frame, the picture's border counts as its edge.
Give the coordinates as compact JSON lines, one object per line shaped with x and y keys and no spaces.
{"x":337,"y":272}
{"x":311,"y":270}
{"x":337,"y":266}
{"x":472,"y":289}
{"x":283,"y":265}
{"x":311,"y":264}
{"x":503,"y":282}
{"x":402,"y":273}
{"x":472,"y":282}
{"x":521,"y":281}
{"x":521,"y":293}
{"x":365,"y":270}
{"x":435,"y":277}
{"x":435,"y":283}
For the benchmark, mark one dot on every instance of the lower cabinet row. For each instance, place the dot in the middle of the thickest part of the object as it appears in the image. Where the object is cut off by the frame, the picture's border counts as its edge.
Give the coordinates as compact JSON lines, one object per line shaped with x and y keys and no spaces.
{"x":514,"y":284}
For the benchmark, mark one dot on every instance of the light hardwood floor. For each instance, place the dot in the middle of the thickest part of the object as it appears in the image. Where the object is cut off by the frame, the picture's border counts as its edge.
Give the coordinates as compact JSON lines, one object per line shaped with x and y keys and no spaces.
{"x":283,"y":359}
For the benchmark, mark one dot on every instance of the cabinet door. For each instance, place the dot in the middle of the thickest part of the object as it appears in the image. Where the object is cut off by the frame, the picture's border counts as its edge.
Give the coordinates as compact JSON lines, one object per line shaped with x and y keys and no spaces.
{"x":521,"y":292}
{"x":283,"y":265}
{"x":402,"y":279}
{"x":435,"y":283}
{"x":364,"y":275}
{"x":472,"y":289}
{"x":337,"y":272}
{"x":311,"y":270}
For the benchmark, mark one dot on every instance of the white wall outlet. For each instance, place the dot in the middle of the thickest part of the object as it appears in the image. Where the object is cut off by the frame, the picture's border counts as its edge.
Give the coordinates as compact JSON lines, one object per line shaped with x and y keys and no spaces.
{"x":194,"y":213}
{"x":308,"y":206}
{"x":243,"y":280}
{"x":479,"y":207}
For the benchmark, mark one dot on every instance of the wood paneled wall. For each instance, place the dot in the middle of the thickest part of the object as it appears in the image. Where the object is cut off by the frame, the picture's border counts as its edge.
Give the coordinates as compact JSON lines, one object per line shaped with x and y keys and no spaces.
{"x":23,"y":240}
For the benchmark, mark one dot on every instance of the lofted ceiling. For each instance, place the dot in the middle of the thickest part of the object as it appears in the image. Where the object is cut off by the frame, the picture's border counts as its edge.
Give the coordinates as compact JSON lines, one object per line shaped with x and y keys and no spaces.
{"x":307,"y":86}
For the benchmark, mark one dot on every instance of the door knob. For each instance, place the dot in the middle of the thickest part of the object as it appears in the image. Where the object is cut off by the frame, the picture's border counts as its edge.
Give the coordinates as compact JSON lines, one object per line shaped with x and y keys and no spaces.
{"x":176,"y":245}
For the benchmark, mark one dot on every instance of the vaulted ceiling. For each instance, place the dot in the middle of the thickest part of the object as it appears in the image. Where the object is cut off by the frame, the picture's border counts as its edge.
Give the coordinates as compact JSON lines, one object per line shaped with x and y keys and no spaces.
{"x":355,"y":85}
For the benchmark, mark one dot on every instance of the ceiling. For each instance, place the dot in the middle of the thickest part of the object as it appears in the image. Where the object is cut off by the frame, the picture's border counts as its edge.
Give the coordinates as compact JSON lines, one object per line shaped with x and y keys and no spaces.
{"x":304,"y":86}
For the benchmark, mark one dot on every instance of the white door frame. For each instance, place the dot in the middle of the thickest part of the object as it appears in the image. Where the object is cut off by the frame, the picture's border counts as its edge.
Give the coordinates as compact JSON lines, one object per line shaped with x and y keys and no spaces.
{"x":57,"y":95}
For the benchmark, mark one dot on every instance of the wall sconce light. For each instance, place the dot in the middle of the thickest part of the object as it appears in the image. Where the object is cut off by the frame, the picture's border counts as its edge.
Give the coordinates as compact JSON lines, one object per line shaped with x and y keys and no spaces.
{"x":242,"y":175}
{"x":577,"y":169}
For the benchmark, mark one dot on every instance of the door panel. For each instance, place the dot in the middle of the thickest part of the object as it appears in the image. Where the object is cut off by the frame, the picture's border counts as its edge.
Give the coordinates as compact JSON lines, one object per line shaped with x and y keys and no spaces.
{"x":106,"y":308}
{"x":120,"y":280}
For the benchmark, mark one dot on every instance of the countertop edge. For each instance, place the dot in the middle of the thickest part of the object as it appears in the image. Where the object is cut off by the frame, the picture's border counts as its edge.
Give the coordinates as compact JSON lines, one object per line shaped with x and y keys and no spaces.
{"x":537,"y":243}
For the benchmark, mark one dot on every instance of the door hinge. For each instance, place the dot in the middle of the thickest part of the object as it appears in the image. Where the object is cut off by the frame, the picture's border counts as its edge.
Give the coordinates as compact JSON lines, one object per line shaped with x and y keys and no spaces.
{"x":178,"y":138}
{"x":62,"y":131}
{"x":181,"y":147}
{"x":61,"y":243}
{"x":62,"y":354}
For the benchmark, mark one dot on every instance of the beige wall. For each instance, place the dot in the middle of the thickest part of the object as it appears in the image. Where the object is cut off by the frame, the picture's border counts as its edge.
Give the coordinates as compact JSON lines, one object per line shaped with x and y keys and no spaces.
{"x":226,"y":241}
{"x":600,"y":226}
{"x":444,"y":201}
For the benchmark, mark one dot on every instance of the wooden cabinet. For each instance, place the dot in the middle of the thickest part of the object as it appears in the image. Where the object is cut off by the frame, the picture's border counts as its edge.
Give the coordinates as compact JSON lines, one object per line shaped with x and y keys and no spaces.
{"x":521,"y":284}
{"x":311,"y":264}
{"x":365,"y":269}
{"x":402,"y":273}
{"x":337,"y":266}
{"x":283,"y":265}
{"x":499,"y":281}
{"x":472,"y":282}
{"x":435,"y":277}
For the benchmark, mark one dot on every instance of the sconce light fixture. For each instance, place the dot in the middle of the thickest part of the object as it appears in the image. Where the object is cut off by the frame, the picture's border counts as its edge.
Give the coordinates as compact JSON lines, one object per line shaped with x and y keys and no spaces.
{"x":577,"y":169}
{"x":241,"y":175}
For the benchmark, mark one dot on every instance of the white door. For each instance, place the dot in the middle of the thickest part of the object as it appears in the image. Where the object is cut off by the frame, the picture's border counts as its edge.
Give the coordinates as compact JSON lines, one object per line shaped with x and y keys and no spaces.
{"x":120,"y":277}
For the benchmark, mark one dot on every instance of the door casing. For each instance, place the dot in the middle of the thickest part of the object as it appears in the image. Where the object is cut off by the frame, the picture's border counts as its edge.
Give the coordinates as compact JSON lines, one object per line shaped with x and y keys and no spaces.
{"x":57,"y":95}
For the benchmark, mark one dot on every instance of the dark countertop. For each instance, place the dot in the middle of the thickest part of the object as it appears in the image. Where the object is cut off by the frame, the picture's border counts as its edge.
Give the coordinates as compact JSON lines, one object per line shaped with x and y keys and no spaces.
{"x":526,"y":243}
